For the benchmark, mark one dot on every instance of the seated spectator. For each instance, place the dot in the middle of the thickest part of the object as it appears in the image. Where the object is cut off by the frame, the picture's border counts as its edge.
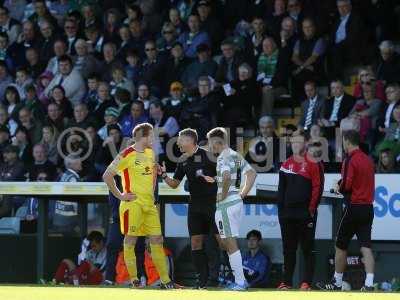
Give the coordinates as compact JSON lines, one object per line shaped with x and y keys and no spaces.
{"x":35,"y":64}
{"x":42,"y":13}
{"x":336,"y":108}
{"x":272,"y":70}
{"x":9,"y":25}
{"x":263,"y":151}
{"x":59,"y":50}
{"x":366,"y":77}
{"x":89,"y":14}
{"x":241,"y":102}
{"x":112,"y":21}
{"x":84,"y":62}
{"x":70,"y":79}
{"x":175,"y":18}
{"x":120,"y":81}
{"x":199,"y":114}
{"x":209,"y":23}
{"x":194,"y":37}
{"x":165,"y":127}
{"x":167,"y":39}
{"x":55,"y":118}
{"x":110,"y":60}
{"x":308,"y":57}
{"x":295,"y":11}
{"x":42,"y":82}
{"x":256,"y":264}
{"x":110,"y":147}
{"x":22,"y":79}
{"x":10,"y":124}
{"x":21,"y":140}
{"x":139,"y":38}
{"x":33,"y":104}
{"x":58,"y":97}
{"x":176,"y":64}
{"x":287,"y":35}
{"x":274,"y":19}
{"x":388,"y":68}
{"x":16,"y":9}
{"x":228,"y":66}
{"x":103,"y":100}
{"x":393,"y":131}
{"x":47,"y":30}
{"x":124,"y":45}
{"x":386,"y":113}
{"x":133,"y":66}
{"x":145,"y":96}
{"x":13,"y":102}
{"x":312,"y":107}
{"x":111,"y":116}
{"x":387,"y":162}
{"x":91,"y":263}
{"x":49,"y":142}
{"x":137,"y":116}
{"x":41,"y":163}
{"x":81,"y":117}
{"x":133,"y":12}
{"x":174,"y":104}
{"x":347,"y":40}
{"x":92,"y":81}
{"x":66,"y":213}
{"x":71,"y":31}
{"x":5,"y":55}
{"x":123,"y":100}
{"x":95,"y":41}
{"x":256,"y":38}
{"x":204,"y":65}
{"x":34,"y":127}
{"x":5,"y":80}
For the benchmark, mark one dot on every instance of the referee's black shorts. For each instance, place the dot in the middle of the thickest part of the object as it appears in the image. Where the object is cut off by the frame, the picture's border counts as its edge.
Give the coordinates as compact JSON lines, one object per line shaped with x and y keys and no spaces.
{"x":201,"y":222}
{"x":356,"y":220}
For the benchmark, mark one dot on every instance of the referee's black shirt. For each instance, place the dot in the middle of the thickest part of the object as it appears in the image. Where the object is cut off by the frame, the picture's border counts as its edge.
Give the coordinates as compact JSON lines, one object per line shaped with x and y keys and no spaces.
{"x":202,"y":194}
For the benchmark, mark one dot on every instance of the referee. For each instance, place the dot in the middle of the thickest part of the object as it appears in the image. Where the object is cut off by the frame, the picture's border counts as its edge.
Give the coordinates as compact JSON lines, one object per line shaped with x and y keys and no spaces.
{"x":195,"y":163}
{"x":357,"y":186}
{"x":301,"y":182}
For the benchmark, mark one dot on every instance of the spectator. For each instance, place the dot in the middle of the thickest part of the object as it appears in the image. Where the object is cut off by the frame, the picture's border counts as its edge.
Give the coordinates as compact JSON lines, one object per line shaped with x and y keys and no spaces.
{"x":110,"y":147}
{"x":81,"y":118}
{"x":311,"y":107}
{"x":199,"y":114}
{"x":55,"y":118}
{"x":95,"y":40}
{"x":58,"y":97}
{"x":153,"y":68}
{"x":111,"y":116}
{"x":84,"y":62}
{"x":123,"y":101}
{"x":185,"y":8}
{"x":42,"y":13}
{"x":109,"y":61}
{"x":256,"y":263}
{"x":295,"y":11}
{"x":5,"y":55}
{"x":203,"y":66}
{"x":175,"y":18}
{"x":335,"y":108}
{"x":194,"y":37}
{"x":91,"y":263}
{"x":9,"y":25}
{"x":386,"y":113}
{"x":137,"y":116}
{"x":46,"y":51}
{"x":89,"y":15}
{"x":41,"y":163}
{"x":272,"y":69}
{"x":33,"y":104}
{"x":167,"y":39}
{"x":165,"y":127}
{"x":71,"y":32}
{"x":66,"y":213}
{"x":230,"y":61}
{"x":120,"y":81}
{"x":274,"y":19}
{"x":59,"y":49}
{"x":5,"y":80}
{"x":388,"y":68}
{"x":176,"y":64}
{"x":35,"y":65}
{"x":174,"y":104}
{"x":6,"y":121}
{"x":287,"y":35}
{"x":263,"y":151}
{"x":145,"y":96}
{"x":112,"y":23}
{"x":259,"y":33}
{"x":21,"y":140}
{"x":49,"y":142}
{"x":308,"y":57}
{"x":366,"y":78}
{"x":92,"y":81}
{"x":103,"y":101}
{"x":22,"y":79}
{"x":133,"y":66}
{"x":393,"y":131}
{"x":16,"y":8}
{"x":71,"y":80}
{"x":387,"y":162}
{"x":125,"y":44}
{"x":13,"y":101}
{"x":347,"y":39}
{"x":209,"y":23}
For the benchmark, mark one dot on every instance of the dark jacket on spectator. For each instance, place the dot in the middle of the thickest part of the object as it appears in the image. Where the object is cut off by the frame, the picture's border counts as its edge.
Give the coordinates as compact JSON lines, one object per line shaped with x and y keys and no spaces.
{"x":223,"y":68}
{"x":316,"y":111}
{"x":389,"y":71}
{"x":345,"y":107}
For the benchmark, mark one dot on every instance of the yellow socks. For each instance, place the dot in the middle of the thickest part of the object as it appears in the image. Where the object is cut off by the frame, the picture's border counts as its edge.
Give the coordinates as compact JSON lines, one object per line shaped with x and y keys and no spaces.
{"x":158,"y":256}
{"x":130,"y":261}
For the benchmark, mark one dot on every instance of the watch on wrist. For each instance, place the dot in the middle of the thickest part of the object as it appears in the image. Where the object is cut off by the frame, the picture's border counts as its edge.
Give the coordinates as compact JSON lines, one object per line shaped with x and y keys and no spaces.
{"x":164,"y":175}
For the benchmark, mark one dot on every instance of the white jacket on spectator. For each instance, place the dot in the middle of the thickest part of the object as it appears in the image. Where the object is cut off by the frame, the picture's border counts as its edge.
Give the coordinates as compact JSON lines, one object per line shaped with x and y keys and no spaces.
{"x":73,"y":84}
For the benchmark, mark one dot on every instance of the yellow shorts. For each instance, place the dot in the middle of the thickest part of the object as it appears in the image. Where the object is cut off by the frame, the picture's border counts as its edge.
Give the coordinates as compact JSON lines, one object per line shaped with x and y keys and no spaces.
{"x":139,"y":219}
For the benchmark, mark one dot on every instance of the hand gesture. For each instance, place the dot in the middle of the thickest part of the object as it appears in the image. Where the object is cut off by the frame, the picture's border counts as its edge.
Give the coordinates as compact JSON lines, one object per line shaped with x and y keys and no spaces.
{"x":127,"y":197}
{"x":209,"y":179}
{"x":161,"y":168}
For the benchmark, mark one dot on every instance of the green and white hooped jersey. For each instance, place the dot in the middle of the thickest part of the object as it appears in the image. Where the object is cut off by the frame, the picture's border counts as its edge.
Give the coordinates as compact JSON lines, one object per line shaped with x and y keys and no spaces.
{"x":230,"y":160}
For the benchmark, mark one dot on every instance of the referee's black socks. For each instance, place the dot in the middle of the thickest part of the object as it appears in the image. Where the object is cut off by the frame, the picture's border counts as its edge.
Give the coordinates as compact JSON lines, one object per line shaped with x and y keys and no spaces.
{"x":200,"y":262}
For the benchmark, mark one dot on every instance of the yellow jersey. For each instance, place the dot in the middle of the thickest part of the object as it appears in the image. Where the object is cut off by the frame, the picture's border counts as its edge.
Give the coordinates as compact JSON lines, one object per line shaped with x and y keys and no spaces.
{"x":138,"y":173}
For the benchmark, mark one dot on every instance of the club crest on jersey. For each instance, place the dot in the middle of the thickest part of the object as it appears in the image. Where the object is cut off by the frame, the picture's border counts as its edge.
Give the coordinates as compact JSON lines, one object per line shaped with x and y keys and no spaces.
{"x":147,"y":171}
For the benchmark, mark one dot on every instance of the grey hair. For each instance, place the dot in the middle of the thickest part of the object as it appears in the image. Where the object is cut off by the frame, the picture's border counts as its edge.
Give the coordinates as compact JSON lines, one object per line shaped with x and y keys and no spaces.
{"x":247,"y":67}
{"x":386,"y":45}
{"x":266,"y":119}
{"x":70,"y":159}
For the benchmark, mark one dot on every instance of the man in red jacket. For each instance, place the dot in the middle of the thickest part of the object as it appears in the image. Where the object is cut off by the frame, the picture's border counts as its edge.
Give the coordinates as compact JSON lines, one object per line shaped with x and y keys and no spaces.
{"x":357,"y":186}
{"x":301,"y":182}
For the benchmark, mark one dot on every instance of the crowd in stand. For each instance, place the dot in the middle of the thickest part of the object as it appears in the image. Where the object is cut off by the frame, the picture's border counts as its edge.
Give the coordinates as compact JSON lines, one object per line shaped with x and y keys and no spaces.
{"x":106,"y":66}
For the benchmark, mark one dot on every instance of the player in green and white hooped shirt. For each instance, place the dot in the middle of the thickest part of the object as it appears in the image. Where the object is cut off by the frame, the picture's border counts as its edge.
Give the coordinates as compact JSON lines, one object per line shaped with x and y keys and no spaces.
{"x":231,"y":168}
